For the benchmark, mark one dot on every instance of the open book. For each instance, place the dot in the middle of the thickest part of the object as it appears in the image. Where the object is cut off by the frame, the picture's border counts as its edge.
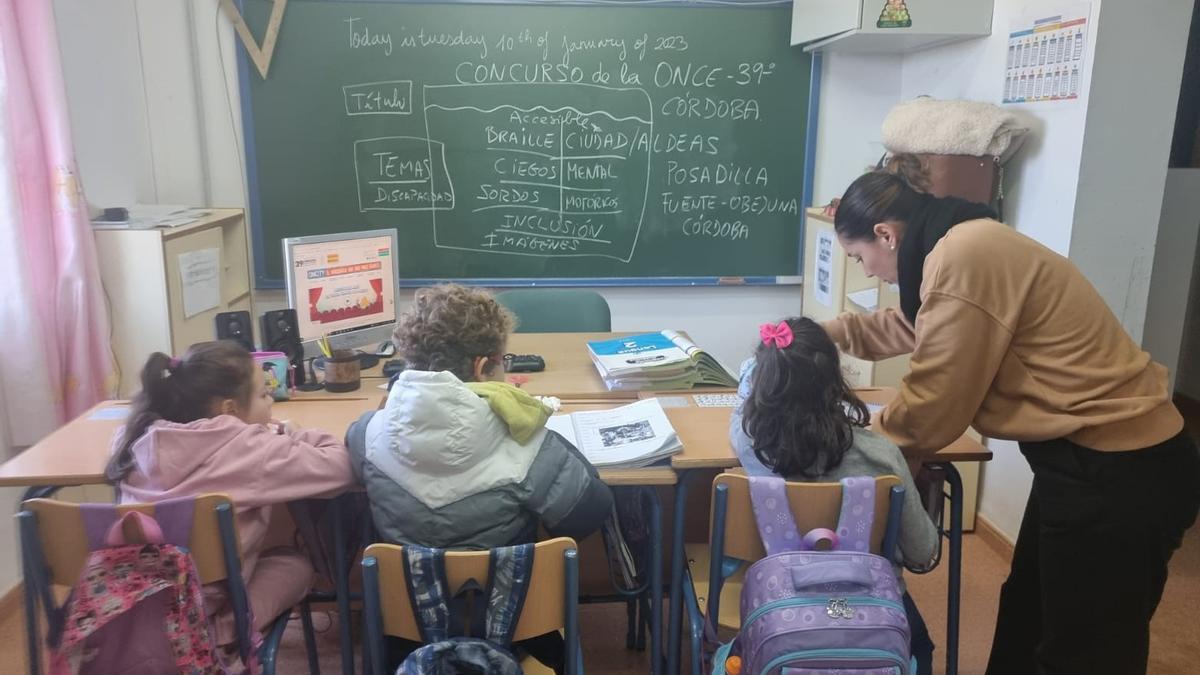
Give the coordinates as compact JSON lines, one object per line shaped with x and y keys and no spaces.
{"x":634,"y":435}
{"x":663,"y":360}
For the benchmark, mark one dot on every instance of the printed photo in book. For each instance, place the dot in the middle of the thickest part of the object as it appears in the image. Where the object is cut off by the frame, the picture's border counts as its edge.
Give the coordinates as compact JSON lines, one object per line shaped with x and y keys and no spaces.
{"x":629,"y":436}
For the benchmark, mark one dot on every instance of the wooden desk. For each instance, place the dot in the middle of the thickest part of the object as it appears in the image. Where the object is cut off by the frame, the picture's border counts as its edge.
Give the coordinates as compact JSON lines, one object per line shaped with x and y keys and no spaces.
{"x":569,"y":372}
{"x":77,"y":452}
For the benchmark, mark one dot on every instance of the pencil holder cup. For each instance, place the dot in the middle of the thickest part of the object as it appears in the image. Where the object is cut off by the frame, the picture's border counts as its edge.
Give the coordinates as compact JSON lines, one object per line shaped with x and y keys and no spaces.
{"x":342,"y":372}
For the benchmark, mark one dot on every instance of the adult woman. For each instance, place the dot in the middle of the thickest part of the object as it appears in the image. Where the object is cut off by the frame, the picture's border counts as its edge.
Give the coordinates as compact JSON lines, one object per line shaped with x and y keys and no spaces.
{"x":1010,"y":337}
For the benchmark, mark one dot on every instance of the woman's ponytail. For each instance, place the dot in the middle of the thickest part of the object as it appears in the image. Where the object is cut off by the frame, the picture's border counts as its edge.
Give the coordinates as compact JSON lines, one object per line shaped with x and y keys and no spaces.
{"x":911,"y":169}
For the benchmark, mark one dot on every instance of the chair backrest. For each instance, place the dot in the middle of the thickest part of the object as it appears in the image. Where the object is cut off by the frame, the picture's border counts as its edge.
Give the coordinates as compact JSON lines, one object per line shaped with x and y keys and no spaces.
{"x":546,"y":605}
{"x":65,"y":546}
{"x":557,"y":310}
{"x":813,"y":505}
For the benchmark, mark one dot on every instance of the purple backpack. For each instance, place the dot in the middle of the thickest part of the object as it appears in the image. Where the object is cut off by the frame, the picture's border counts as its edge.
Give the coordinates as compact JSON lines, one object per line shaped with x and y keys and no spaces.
{"x":809,"y":612}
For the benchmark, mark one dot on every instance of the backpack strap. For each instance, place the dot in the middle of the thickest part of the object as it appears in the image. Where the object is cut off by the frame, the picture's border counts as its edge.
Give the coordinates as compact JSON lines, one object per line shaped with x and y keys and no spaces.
{"x":98,"y":519}
{"x":858,"y":514}
{"x":171,"y":523}
{"x":510,"y":569}
{"x":425,"y":575}
{"x":776,"y":525}
{"x":175,"y":518}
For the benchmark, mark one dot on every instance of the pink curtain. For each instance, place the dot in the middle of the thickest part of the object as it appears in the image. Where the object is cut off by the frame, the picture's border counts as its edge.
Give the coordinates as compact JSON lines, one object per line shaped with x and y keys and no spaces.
{"x":57,"y":360}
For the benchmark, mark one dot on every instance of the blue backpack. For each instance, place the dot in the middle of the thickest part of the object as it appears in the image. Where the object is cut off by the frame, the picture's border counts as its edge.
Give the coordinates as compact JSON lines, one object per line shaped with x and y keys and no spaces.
{"x":443,"y":615}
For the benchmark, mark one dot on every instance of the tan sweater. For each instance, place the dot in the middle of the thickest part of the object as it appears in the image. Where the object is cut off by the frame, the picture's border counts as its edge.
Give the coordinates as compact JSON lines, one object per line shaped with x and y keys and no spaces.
{"x":1012,"y":339}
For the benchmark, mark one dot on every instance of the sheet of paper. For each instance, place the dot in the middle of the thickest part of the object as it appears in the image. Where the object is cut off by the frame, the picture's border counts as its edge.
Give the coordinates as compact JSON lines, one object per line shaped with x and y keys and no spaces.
{"x":564,"y":426}
{"x":1046,"y":51}
{"x":867,"y":299}
{"x":110,"y":413}
{"x":823,"y":291}
{"x":673,"y":401}
{"x":199,"y":272}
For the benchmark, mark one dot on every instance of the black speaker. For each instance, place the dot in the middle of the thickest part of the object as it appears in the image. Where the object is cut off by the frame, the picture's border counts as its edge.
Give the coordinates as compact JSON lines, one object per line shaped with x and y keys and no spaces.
{"x":236,"y":326}
{"x":281,"y":333}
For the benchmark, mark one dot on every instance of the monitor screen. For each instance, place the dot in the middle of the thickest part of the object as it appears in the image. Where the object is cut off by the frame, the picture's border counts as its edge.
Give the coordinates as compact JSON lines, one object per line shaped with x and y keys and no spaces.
{"x":343,"y":283}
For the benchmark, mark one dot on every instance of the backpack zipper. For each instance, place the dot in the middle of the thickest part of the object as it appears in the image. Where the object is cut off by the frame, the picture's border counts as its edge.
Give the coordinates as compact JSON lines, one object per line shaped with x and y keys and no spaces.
{"x":804,"y":602}
{"x":847,"y":654}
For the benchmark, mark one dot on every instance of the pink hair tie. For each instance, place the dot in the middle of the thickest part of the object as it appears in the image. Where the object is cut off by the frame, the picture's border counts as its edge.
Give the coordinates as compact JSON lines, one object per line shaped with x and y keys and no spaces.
{"x":780,"y":334}
{"x":175,"y":363}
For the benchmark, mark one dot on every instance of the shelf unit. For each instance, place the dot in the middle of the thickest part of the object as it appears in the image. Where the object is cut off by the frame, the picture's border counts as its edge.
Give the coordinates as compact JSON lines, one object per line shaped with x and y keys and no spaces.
{"x":140,"y":270}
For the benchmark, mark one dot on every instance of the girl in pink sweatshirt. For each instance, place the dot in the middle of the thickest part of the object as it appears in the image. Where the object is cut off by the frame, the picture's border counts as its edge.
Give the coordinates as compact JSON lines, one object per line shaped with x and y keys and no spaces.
{"x":203,"y":424}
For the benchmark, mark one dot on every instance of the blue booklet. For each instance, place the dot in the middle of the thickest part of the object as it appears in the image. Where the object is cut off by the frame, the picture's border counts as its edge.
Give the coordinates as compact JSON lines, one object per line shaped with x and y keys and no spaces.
{"x":666,"y":359}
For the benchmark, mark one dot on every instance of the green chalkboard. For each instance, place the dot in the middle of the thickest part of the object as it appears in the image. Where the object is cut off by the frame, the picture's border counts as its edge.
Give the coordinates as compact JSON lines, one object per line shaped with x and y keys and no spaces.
{"x":518,"y":141}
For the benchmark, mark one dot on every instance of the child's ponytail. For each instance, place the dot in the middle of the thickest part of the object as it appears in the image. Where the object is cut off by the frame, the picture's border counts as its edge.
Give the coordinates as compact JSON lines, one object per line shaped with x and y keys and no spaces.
{"x":183,"y":390}
{"x":153,"y":397}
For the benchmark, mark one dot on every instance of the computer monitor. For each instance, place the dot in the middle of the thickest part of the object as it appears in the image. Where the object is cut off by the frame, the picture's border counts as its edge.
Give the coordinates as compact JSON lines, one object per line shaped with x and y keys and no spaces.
{"x":343,"y":286}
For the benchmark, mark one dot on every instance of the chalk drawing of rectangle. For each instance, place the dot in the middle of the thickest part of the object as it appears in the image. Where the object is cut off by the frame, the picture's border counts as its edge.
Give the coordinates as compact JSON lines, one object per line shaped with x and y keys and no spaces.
{"x":404,"y":185}
{"x":393,"y":94}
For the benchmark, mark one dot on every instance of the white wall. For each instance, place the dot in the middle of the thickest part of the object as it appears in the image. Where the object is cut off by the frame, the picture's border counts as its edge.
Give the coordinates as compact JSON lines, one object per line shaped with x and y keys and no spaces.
{"x":1130,"y":120}
{"x":857,"y":90}
{"x":1174,"y":259}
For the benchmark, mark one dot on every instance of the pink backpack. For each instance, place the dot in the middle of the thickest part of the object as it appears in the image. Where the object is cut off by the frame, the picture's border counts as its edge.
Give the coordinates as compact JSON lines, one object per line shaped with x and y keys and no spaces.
{"x":137,"y":608}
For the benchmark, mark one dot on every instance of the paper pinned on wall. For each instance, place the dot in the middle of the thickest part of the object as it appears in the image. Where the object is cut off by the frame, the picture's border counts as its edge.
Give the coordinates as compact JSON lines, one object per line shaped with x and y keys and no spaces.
{"x":198,"y":270}
{"x":1046,"y":55}
{"x":824,"y":288}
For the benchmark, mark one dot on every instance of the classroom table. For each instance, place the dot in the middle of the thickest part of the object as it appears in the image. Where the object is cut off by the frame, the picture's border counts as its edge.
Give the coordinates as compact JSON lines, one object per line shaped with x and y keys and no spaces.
{"x":77,"y":453}
{"x":704,"y":433}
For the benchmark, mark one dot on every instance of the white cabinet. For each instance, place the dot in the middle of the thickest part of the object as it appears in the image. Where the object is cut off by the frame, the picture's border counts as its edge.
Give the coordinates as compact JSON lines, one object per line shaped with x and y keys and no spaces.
{"x":142,"y":279}
{"x":887,"y":25}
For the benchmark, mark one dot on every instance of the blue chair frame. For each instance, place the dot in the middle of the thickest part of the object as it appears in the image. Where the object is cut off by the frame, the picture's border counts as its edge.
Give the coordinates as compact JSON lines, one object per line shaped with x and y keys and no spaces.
{"x":38,"y":591}
{"x":701,"y":623}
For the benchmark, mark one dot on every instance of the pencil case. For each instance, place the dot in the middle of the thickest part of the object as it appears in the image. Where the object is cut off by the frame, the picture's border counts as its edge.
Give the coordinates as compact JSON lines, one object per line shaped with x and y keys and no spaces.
{"x":278,"y":374}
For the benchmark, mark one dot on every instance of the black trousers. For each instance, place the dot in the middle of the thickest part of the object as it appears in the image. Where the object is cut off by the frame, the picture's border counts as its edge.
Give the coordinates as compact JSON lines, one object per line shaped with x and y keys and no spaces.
{"x":1091,"y":557}
{"x":920,"y":645}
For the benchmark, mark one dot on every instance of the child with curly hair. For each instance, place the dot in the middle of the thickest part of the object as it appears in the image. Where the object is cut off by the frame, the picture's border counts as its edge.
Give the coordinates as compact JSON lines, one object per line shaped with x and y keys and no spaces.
{"x":459,"y":459}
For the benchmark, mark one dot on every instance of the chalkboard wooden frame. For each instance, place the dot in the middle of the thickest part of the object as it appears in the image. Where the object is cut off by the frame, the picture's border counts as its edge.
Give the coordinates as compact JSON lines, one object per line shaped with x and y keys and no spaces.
{"x":254,"y":206}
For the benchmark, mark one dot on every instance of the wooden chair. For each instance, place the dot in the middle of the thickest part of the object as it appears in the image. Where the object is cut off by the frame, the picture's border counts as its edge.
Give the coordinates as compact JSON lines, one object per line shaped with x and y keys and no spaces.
{"x":557,"y":310}
{"x":551,"y":603}
{"x":55,"y":550}
{"x":714,"y":591}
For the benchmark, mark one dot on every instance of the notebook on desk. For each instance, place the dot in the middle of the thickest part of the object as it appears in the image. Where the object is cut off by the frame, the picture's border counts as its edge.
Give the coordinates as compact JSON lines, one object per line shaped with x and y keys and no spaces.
{"x":663,"y":360}
{"x":629,"y":436}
